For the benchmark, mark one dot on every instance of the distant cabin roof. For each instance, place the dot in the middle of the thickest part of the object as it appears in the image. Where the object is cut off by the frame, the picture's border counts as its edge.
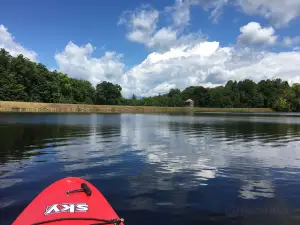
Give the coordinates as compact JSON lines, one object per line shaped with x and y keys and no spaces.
{"x":189,"y":100}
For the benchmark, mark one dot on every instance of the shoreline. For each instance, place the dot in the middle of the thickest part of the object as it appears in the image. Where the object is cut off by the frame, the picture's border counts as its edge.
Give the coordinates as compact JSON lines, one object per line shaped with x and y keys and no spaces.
{"x":36,"y":107}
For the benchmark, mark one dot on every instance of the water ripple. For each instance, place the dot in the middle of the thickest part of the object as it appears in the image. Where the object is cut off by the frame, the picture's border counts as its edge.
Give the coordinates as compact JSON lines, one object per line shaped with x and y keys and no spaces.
{"x":156,"y":163}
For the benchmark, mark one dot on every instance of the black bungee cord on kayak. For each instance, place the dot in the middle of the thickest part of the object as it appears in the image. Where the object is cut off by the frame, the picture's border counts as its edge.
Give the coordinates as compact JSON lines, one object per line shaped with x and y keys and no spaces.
{"x":101,"y":221}
{"x":84,"y":188}
{"x":115,"y":222}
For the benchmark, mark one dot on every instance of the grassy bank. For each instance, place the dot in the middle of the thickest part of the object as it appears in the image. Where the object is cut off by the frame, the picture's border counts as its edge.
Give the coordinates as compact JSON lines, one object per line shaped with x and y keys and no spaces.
{"x":6,"y":106}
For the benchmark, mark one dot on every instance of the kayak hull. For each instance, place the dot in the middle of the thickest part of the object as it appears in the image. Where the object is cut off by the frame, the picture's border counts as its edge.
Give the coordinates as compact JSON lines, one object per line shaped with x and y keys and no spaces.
{"x":63,"y":205}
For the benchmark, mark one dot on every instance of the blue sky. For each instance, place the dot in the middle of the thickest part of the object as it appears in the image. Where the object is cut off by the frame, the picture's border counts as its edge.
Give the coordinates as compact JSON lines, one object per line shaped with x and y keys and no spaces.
{"x":151,"y":46}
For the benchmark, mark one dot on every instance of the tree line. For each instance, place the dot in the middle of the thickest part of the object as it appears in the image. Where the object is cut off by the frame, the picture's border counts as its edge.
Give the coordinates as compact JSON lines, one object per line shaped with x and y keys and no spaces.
{"x":24,"y":80}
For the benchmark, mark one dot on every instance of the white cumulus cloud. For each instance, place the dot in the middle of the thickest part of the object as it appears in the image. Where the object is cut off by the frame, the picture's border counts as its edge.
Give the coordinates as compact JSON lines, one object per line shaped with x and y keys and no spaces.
{"x":198,"y":63}
{"x":279,"y":12}
{"x":77,"y":62}
{"x":181,"y":10}
{"x":164,"y":37}
{"x":7,"y":41}
{"x":141,"y":24}
{"x":142,"y":28}
{"x":254,"y":34}
{"x":208,"y":64}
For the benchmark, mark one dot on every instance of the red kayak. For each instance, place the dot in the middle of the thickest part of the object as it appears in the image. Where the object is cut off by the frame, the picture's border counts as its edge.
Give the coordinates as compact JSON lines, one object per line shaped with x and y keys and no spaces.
{"x":69,"y":201}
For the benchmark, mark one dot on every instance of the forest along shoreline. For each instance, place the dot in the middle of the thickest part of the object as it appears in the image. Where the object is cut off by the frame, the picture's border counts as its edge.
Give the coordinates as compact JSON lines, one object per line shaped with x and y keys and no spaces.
{"x":10,"y":106}
{"x":22,"y":80}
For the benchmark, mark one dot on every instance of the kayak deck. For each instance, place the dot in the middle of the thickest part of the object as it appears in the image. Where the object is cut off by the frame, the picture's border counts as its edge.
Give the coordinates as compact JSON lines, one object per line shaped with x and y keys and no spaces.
{"x":69,"y":201}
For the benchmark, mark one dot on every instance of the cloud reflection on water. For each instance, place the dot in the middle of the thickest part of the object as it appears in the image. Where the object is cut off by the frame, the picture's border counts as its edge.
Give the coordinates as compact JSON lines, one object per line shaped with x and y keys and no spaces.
{"x":159,"y":152}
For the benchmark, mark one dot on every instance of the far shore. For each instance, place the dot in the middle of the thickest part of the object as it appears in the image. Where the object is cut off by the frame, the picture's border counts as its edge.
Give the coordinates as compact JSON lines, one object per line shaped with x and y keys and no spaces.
{"x":8,"y":106}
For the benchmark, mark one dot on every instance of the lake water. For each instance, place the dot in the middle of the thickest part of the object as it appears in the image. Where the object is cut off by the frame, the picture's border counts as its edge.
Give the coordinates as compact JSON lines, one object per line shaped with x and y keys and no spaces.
{"x":159,"y":169}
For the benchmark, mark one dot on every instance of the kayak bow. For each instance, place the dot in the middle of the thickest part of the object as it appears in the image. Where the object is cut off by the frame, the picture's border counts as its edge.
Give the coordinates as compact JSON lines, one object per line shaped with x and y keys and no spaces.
{"x":69,"y":201}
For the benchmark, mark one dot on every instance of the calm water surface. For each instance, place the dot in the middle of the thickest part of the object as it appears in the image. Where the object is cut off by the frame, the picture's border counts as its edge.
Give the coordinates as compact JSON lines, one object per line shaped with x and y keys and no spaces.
{"x":159,"y":169}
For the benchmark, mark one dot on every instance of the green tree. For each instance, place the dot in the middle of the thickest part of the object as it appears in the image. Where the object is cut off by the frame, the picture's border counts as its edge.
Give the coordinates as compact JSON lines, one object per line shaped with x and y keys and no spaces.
{"x":292,"y":97}
{"x":66,"y":89}
{"x":272,"y":90}
{"x":218,"y":97}
{"x":282,"y":105}
{"x":248,"y":93}
{"x":232,"y":90}
{"x":174,"y":92}
{"x":198,"y":94}
{"x":46,"y":85}
{"x":108,"y":93}
{"x":10,"y":90}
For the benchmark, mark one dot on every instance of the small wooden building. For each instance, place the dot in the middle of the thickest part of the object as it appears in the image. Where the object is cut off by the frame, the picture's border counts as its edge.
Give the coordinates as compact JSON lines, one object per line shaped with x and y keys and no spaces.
{"x":189,"y":103}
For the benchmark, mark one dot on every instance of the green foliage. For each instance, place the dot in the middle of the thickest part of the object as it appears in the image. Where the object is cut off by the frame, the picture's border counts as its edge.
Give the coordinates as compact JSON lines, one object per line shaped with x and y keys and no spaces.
{"x":272,"y":90}
{"x":10,"y":90}
{"x":276,"y":94}
{"x":219,"y":97}
{"x":23,"y":80}
{"x":108,"y":93}
{"x":282,"y":105}
{"x":291,"y":97}
{"x":198,"y":94}
{"x":174,"y":92}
